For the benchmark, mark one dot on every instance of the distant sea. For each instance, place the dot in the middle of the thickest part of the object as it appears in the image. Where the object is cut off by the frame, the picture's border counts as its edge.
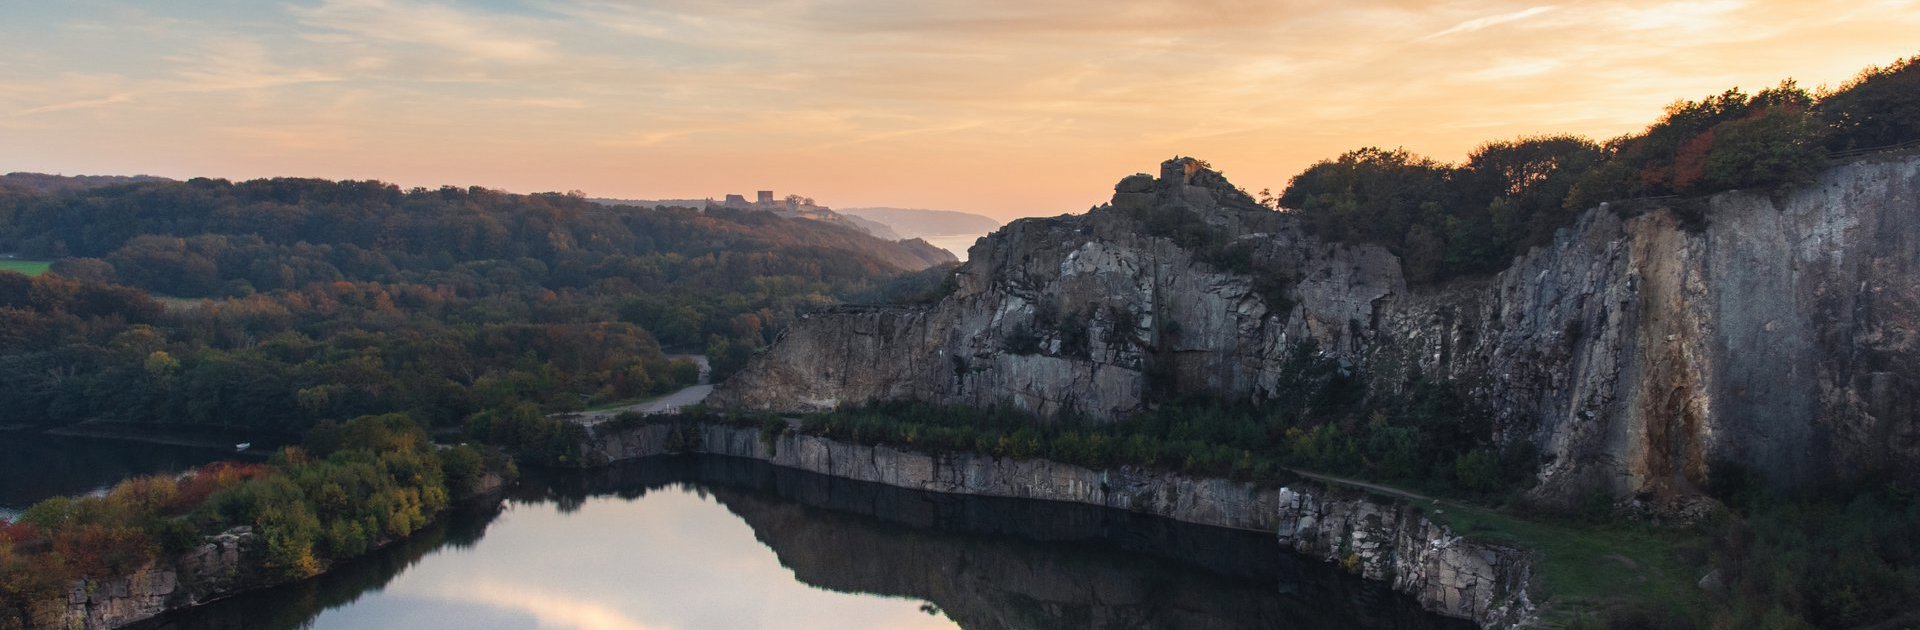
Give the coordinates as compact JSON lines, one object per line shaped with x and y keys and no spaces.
{"x":956,"y":243}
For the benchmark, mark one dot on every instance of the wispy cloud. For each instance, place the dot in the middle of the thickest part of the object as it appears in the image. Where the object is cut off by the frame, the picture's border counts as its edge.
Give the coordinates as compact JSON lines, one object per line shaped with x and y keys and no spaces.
{"x":642,"y":139}
{"x":1483,"y":23}
{"x":473,"y":34}
{"x":237,"y":64}
{"x":73,"y":105}
{"x":230,"y":65}
{"x":1707,"y":15}
{"x":1517,"y":69}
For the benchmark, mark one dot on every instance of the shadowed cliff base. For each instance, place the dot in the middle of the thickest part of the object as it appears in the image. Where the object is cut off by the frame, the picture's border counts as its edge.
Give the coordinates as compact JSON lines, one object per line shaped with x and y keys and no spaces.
{"x":985,"y":563}
{"x":992,"y":563}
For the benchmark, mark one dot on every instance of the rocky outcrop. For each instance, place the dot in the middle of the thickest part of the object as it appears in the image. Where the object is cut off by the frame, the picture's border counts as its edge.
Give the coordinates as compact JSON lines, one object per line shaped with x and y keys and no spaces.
{"x":1638,"y":353}
{"x":1448,"y":574}
{"x":1395,"y":542}
{"x":224,"y":564}
{"x":1051,"y":315}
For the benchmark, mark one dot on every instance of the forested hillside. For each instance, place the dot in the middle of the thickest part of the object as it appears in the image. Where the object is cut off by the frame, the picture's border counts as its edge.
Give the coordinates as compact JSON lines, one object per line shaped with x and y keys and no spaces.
{"x":915,"y":222}
{"x":273,"y":305}
{"x":1679,"y":378}
{"x":1448,"y":220}
{"x":44,"y":183}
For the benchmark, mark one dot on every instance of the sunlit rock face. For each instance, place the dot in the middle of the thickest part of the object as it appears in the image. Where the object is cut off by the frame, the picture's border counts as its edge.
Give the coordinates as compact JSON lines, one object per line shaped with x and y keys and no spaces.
{"x":1638,"y":355}
{"x":1054,"y":315}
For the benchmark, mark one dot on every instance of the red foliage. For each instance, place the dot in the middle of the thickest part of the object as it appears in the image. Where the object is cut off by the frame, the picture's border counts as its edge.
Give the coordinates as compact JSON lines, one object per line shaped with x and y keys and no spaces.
{"x":211,"y":478}
{"x":15,"y":532}
{"x":101,"y":551}
{"x":1690,"y":162}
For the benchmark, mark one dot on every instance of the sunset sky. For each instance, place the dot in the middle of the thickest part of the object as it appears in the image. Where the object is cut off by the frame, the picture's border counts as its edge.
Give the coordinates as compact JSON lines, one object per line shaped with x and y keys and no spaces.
{"x":1006,"y":108}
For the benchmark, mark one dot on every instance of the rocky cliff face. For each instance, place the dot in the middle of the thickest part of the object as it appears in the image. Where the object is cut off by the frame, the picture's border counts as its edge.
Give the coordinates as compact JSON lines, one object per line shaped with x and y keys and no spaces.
{"x":1394,"y":542}
{"x":1386,"y":540}
{"x":1054,"y":315}
{"x":223,"y":565}
{"x":226,"y":563}
{"x":1636,"y":354}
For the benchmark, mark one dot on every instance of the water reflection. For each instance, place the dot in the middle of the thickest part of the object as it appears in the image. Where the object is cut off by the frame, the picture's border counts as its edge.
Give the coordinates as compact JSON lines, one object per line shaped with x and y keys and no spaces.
{"x":726,"y":543}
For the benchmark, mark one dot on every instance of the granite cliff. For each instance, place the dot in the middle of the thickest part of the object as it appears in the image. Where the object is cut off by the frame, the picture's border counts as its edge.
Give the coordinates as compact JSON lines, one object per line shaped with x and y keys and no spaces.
{"x":1647,"y":349}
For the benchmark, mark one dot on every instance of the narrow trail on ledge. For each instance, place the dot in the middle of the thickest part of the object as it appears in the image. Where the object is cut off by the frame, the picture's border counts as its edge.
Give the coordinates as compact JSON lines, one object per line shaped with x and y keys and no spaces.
{"x":1371,"y":487}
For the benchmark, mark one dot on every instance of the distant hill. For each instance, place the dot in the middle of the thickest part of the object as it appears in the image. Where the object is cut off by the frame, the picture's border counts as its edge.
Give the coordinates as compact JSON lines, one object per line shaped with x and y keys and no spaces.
{"x":44,"y":183}
{"x":194,"y":238}
{"x":297,"y":301}
{"x":918,"y":223}
{"x":652,"y":203}
{"x":876,"y":228}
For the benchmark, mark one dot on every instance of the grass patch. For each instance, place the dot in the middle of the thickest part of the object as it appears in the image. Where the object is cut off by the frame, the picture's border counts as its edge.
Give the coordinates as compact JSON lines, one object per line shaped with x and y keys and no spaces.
{"x":1585,"y":568}
{"x":609,"y":406}
{"x":28,"y":267}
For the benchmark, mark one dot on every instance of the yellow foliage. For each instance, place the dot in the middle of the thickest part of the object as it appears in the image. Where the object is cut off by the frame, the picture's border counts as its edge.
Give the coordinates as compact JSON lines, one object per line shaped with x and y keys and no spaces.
{"x":145,"y":495}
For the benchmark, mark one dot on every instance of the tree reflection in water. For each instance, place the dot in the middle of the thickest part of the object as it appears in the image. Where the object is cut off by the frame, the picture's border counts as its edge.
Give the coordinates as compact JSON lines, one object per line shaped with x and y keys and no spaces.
{"x":985,"y":563}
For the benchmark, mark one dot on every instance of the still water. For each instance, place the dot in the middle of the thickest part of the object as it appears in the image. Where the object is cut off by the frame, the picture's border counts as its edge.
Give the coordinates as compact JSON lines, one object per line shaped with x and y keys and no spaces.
{"x":720,"y":543}
{"x":957,"y":244}
{"x":35,"y":466}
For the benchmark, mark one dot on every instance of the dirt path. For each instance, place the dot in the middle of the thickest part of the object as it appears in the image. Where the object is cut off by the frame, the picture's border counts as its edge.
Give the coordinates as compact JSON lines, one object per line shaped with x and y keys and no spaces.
{"x":1371,"y":487}
{"x":685,"y":397}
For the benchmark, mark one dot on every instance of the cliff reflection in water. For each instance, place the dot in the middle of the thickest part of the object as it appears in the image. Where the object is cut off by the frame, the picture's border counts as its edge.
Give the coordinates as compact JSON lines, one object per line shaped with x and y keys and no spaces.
{"x":668,"y":556}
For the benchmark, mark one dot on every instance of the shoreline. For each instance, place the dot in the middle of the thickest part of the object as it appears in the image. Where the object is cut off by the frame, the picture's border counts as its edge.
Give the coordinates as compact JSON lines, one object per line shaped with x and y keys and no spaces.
{"x":1378,"y":538}
{"x":226,"y":564}
{"x":106,"y":431}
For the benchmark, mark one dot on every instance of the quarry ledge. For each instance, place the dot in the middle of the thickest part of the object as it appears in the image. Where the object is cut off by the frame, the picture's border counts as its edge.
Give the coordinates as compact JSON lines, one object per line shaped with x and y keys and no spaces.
{"x":1378,"y":538}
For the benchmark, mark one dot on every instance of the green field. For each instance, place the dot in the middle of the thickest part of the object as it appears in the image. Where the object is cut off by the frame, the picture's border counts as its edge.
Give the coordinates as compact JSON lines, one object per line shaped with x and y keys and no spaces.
{"x":29,"y":267}
{"x":1584,"y":567}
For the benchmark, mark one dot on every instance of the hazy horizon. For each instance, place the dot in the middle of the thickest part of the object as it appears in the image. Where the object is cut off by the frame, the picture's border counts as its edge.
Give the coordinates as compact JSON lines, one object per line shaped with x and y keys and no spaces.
{"x":1004,"y":109}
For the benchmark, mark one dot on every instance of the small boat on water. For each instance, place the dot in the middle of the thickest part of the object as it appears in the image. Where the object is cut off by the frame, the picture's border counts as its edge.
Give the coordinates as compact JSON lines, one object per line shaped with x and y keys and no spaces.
{"x":242,"y":446}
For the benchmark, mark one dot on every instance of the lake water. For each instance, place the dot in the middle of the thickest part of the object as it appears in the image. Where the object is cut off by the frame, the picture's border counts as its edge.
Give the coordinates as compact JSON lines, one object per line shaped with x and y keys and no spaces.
{"x":721,"y":543}
{"x":34,"y":466}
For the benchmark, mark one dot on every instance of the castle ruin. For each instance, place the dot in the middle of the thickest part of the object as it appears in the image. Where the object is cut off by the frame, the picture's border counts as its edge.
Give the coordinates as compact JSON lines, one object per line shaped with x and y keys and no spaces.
{"x":789,"y":206}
